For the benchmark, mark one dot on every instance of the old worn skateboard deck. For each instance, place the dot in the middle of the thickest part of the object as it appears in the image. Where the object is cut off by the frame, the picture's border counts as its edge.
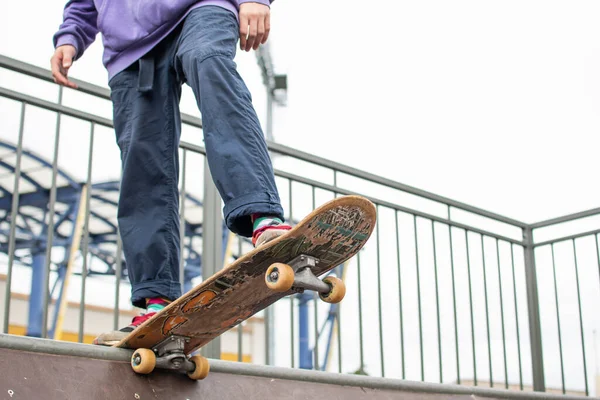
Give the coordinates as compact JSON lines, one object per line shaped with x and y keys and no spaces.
{"x":291,"y":263}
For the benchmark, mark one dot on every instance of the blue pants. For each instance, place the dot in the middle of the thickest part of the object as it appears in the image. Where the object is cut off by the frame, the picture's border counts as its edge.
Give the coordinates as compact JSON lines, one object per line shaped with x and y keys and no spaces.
{"x":147,"y":122}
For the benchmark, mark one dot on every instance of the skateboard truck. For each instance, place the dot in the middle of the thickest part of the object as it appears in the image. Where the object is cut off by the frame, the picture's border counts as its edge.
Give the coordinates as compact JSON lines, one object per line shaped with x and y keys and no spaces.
{"x":169,"y":354}
{"x":299,"y":275}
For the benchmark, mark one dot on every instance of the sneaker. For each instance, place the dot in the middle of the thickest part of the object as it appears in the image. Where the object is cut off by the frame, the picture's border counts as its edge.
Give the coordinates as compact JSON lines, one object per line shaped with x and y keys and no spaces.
{"x":267,"y":229}
{"x":113,"y":337}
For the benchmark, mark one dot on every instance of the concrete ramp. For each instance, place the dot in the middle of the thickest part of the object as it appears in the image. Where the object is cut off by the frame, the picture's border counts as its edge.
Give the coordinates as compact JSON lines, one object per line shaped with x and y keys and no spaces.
{"x":45,"y":369}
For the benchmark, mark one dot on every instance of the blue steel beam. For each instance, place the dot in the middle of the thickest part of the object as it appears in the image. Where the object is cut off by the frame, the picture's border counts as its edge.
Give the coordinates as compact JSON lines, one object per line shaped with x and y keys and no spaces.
{"x":40,"y":197}
{"x":43,"y":162}
{"x":34,"y":324}
{"x":24,"y":175}
{"x":304,"y":351}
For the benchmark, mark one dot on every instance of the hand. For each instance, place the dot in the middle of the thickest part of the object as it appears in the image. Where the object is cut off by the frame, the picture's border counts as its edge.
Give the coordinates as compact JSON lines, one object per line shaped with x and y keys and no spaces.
{"x":60,"y":62}
{"x":255,"y":25}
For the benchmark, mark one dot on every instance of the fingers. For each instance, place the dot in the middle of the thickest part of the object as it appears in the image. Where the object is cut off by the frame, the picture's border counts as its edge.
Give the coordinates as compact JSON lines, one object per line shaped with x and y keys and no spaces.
{"x":67,"y":60}
{"x":243,"y":31}
{"x":60,"y":63}
{"x":252,"y":33}
{"x":260,"y":33}
{"x":267,"y":29}
{"x":255,"y":25}
{"x":55,"y":67}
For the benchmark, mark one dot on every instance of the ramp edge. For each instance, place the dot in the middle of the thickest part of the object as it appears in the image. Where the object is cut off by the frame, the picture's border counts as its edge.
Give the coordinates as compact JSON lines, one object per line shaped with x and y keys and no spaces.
{"x":49,"y":346}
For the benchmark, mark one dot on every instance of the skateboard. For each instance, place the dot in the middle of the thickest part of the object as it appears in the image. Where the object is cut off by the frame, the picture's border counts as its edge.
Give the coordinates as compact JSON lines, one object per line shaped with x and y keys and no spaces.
{"x":288,"y":264}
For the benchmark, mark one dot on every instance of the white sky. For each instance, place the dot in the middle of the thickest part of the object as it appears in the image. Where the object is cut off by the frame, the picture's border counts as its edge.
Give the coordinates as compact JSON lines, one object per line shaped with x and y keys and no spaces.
{"x":492,"y":103}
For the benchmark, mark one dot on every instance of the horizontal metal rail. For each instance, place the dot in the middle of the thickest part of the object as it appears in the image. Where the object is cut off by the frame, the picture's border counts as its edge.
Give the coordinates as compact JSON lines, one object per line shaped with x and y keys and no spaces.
{"x":46,"y":346}
{"x":566,"y":218}
{"x":565,"y":238}
{"x":46,"y":75}
{"x":48,"y":105}
{"x":395,"y":207}
{"x":84,"y":87}
{"x":281,"y":149}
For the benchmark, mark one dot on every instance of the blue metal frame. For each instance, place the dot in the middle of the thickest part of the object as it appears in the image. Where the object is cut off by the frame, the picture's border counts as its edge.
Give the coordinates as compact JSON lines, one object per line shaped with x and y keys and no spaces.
{"x":30,"y":245}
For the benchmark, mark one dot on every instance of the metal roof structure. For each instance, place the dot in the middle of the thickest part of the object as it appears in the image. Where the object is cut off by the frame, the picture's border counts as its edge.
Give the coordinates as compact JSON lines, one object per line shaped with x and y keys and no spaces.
{"x":32,"y":216}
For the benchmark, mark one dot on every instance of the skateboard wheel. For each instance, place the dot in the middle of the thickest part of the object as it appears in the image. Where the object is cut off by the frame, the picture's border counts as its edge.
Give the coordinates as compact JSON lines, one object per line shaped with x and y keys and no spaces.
{"x":337,"y":292}
{"x":202,"y":368}
{"x":143,"y":361}
{"x":279,"y":277}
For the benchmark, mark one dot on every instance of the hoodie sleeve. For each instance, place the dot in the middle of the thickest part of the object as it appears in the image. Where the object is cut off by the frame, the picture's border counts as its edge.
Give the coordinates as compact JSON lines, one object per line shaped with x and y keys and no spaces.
{"x":79,"y":26}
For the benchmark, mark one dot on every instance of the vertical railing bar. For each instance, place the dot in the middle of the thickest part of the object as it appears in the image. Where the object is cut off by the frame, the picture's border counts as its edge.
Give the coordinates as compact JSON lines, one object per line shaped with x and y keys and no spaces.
{"x":338,"y":308}
{"x":182,"y":223}
{"x":533,"y":311}
{"x":292,"y":346}
{"x":437,"y":300}
{"x":240,"y":327}
{"x":400,"y":296}
{"x":50,"y":227}
{"x":86,"y":235}
{"x":471,"y":306}
{"x":317,"y":365}
{"x":454,"y":305}
{"x":13,"y":221}
{"x":419,"y":298}
{"x":292,"y":349}
{"x":487,"y":311}
{"x":267,"y":324}
{"x":339,"y":335}
{"x":377,"y":246}
{"x":512,"y":258}
{"x":315,"y":303}
{"x":587,"y":390}
{"x":360,"y":314}
{"x":118,"y":271}
{"x":560,"y":349}
{"x":454,"y":299}
{"x":502,"y":316}
{"x":597,"y":252}
{"x":338,"y":313}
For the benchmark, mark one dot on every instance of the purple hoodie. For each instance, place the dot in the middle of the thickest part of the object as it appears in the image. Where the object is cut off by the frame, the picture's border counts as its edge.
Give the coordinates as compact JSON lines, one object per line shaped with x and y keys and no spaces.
{"x":129,"y":28}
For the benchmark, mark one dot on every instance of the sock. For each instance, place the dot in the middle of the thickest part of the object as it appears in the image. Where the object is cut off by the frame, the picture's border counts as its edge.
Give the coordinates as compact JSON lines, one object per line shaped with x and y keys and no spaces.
{"x":156,"y":304}
{"x":261,"y":221}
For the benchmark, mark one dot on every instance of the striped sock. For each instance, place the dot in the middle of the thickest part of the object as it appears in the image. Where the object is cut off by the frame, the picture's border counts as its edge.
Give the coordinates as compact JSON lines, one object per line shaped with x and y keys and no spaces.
{"x":261,"y":221}
{"x":156,"y":304}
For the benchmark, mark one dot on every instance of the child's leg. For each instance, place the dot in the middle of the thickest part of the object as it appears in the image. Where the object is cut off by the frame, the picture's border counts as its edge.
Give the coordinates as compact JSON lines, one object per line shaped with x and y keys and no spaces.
{"x":147,"y":126}
{"x":235,"y":146}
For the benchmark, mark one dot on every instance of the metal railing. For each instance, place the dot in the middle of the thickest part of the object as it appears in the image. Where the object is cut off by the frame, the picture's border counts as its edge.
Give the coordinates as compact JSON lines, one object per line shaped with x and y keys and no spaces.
{"x":443,"y":291}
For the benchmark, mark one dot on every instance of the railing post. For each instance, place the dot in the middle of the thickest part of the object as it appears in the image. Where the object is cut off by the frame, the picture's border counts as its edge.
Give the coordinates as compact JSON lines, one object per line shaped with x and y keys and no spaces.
{"x":212,"y":253}
{"x":533,"y":307}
